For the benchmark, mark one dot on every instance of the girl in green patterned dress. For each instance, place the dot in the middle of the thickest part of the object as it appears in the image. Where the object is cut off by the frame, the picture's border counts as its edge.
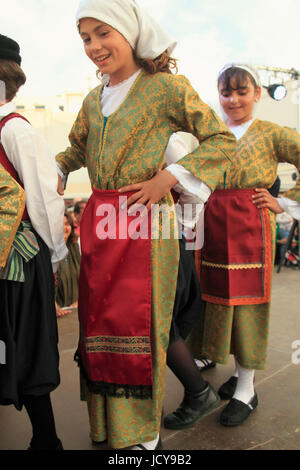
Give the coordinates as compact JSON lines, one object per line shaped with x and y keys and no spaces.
{"x":238,"y":322}
{"x":121,"y":135}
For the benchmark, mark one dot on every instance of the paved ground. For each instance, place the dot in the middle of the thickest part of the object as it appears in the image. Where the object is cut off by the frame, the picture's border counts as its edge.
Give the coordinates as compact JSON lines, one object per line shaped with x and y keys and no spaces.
{"x":274,"y":425}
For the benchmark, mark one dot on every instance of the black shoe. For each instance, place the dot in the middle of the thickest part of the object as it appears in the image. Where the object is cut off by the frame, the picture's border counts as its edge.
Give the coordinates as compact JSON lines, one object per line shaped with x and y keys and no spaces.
{"x":58,"y":447}
{"x":193,"y":408}
{"x":205,"y":364}
{"x":99,"y":443}
{"x":226,"y":391}
{"x":236,"y":412}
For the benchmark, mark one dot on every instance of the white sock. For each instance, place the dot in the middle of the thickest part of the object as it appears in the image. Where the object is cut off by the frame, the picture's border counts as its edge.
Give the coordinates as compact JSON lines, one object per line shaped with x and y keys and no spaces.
{"x":148,"y":445}
{"x":245,"y":386}
{"x":236,"y":372}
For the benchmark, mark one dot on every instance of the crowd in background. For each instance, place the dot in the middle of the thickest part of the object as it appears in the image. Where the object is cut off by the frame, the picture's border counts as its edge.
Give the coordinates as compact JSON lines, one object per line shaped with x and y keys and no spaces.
{"x":67,"y":275}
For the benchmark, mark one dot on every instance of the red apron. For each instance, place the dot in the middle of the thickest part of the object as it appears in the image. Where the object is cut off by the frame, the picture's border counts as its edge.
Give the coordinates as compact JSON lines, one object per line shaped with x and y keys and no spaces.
{"x":115,"y":297}
{"x":236,"y":259}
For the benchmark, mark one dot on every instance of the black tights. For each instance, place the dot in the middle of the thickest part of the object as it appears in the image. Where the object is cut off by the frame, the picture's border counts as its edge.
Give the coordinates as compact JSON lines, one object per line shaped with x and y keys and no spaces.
{"x":182,"y":364}
{"x":39,"y":409}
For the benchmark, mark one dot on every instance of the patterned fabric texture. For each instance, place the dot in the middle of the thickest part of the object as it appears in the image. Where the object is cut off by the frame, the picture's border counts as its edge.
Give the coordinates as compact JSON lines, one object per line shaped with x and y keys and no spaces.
{"x":258,"y":153}
{"x":24,"y":248}
{"x":136,"y":135}
{"x":12,"y":204}
{"x":243,"y":330}
{"x":130,"y":150}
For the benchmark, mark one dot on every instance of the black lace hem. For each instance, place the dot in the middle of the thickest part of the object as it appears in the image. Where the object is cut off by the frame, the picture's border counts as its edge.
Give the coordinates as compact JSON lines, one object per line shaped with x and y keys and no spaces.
{"x":142,"y":392}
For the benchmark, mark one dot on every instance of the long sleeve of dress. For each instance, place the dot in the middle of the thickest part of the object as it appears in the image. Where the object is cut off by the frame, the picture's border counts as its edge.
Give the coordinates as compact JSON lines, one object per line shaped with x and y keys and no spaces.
{"x":193,"y":193}
{"x":12,"y":204}
{"x":288,"y":150}
{"x":176,"y":150}
{"x":216,"y":143}
{"x":74,"y":157}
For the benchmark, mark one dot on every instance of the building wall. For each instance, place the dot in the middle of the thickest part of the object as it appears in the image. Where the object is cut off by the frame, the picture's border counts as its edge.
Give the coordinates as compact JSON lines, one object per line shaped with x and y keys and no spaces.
{"x":55,"y":126}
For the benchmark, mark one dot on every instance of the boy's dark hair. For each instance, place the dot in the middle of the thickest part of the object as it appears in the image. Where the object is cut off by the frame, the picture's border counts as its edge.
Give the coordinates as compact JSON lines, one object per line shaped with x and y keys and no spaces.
{"x":13,"y":77}
{"x":240,"y":76}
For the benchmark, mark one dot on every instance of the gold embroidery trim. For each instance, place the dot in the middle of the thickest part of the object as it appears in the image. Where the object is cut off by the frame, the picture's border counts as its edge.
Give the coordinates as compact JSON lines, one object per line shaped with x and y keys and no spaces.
{"x":118,"y":345}
{"x":233,"y":266}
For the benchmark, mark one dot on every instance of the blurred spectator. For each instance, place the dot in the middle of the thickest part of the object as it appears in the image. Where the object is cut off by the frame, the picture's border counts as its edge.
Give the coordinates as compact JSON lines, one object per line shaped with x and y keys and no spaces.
{"x":78,"y":211}
{"x":284,"y":224}
{"x":66,"y":293}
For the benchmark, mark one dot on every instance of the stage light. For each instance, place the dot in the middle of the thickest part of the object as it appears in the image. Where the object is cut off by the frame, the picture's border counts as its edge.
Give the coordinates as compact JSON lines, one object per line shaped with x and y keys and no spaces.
{"x":277,"y":91}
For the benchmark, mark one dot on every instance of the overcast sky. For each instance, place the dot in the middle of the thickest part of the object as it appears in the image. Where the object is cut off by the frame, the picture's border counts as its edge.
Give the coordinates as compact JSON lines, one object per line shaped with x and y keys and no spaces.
{"x":209,"y":34}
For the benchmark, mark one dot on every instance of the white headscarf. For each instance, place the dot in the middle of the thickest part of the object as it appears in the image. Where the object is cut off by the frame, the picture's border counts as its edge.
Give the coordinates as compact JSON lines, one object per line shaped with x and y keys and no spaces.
{"x":248,"y":68}
{"x":145,"y":36}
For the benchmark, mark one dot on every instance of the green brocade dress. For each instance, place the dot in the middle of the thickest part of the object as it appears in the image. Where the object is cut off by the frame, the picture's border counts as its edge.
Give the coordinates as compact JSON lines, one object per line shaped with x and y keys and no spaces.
{"x":12,"y":205}
{"x":243,"y":330}
{"x":126,"y":148}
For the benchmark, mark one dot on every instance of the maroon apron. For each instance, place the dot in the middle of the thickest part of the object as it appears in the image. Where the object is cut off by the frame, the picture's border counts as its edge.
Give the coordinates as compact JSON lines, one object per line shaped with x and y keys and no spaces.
{"x":236,"y":259}
{"x":115,"y":297}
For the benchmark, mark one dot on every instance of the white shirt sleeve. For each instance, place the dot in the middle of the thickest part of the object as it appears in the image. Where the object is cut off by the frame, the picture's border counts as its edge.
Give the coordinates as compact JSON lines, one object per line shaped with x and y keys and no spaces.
{"x":35,"y":164}
{"x":193,"y":193}
{"x":63,"y":176}
{"x":59,"y":170}
{"x":188,"y":183}
{"x":290,"y":207}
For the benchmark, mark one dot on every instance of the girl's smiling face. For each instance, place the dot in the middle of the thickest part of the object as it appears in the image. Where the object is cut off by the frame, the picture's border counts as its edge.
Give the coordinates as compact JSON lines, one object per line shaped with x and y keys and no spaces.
{"x":108,"y":49}
{"x":238,"y":101}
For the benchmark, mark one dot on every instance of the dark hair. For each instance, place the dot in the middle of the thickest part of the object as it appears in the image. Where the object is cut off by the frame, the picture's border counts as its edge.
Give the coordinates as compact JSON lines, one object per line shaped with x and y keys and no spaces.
{"x":77,"y":207}
{"x":72,"y":237}
{"x":240,"y":76}
{"x":162,"y":63}
{"x":13,"y":77}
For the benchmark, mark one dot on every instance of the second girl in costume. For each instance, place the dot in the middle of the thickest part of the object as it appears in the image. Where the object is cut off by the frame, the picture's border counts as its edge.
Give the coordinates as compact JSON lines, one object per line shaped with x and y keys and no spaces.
{"x":239,"y":244}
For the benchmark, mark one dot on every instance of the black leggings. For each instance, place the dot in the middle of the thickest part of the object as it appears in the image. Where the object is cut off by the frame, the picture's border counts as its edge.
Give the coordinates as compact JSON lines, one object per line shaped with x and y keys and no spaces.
{"x":39,"y":409}
{"x":188,"y":306}
{"x":182,"y":364}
